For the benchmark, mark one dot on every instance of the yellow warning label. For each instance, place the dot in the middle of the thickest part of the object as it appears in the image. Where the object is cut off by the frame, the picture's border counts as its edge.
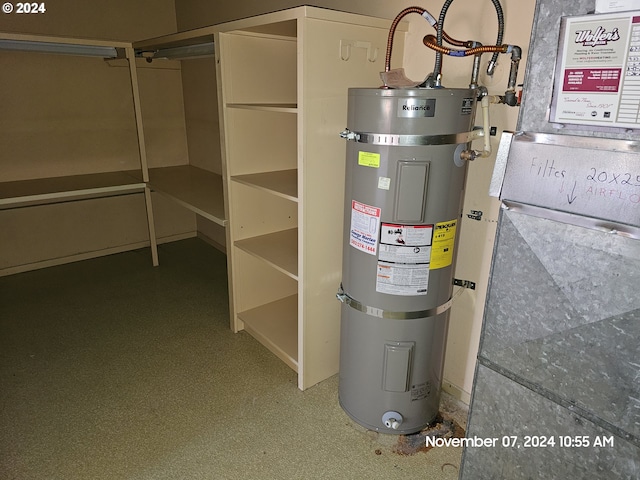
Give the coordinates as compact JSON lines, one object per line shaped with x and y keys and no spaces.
{"x":368,"y":159}
{"x":444,"y":237}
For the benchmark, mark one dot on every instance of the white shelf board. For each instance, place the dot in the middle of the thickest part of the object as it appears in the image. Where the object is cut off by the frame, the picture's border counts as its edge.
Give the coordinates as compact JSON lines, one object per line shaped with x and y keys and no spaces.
{"x":173,"y":40}
{"x":283,"y":183}
{"x":269,"y":107}
{"x":280,"y":250}
{"x":275,"y":325}
{"x":27,"y":37}
{"x":39,"y":191}
{"x":194,"y":188}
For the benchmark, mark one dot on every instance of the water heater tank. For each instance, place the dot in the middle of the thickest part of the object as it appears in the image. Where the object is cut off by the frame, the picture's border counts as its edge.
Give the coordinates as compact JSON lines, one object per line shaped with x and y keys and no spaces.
{"x":403,"y":201}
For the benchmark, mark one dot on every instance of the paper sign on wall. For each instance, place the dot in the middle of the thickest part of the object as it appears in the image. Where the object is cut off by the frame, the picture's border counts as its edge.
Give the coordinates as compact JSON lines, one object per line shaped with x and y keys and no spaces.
{"x":607,"y":6}
{"x":598,"y":71}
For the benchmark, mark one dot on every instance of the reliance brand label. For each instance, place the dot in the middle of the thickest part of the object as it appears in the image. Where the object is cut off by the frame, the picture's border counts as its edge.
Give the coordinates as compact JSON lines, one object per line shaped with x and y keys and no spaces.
{"x":416,"y":107}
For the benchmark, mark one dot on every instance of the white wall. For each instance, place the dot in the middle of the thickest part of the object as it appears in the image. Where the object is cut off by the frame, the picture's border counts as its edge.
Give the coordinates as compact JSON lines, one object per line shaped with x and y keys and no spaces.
{"x":125,"y":20}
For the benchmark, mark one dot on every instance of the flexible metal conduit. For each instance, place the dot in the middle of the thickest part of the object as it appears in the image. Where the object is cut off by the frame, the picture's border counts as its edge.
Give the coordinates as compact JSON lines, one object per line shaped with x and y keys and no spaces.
{"x":392,"y":31}
{"x":431,"y":42}
{"x":471,"y":48}
{"x":440,"y":35}
{"x":432,"y":21}
{"x":515,"y":51}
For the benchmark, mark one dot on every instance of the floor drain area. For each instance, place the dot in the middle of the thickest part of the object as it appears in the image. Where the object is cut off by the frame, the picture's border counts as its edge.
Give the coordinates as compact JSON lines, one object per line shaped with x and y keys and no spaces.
{"x":442,"y":427}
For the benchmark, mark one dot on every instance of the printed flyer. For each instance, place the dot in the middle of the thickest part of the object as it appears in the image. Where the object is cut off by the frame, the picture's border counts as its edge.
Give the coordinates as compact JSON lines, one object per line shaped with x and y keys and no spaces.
{"x":598,"y":71}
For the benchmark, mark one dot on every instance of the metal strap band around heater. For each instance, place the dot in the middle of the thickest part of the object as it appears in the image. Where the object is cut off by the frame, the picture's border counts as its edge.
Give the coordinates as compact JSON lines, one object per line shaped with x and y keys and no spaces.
{"x":408,"y":140}
{"x":380,"y":313}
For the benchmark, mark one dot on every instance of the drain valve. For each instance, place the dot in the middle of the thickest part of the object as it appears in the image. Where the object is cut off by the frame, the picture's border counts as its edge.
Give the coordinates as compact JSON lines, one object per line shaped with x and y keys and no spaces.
{"x":392,"y":420}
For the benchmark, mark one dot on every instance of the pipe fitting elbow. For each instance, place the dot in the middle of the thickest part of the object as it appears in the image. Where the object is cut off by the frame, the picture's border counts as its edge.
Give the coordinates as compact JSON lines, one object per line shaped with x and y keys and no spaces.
{"x":516,"y":53}
{"x":469,"y":155}
{"x":510,"y":98}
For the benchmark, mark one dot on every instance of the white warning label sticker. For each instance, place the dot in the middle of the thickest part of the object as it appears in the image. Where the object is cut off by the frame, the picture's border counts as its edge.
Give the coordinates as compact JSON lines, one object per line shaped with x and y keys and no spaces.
{"x":403,"y":259}
{"x":398,"y":279}
{"x":365,"y":224}
{"x":415,"y":235}
{"x":404,"y":254}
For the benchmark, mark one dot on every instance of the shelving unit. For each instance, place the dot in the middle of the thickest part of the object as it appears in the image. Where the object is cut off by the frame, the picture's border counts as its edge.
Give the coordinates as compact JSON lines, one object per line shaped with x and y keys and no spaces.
{"x":283,"y":92}
{"x":49,"y":154}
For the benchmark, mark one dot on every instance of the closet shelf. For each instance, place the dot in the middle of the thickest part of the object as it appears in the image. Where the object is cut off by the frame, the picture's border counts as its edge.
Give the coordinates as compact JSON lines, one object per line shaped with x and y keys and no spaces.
{"x":60,"y":45}
{"x":283,"y":183}
{"x":194,"y":188}
{"x":176,"y":40}
{"x":268,"y":107}
{"x":39,"y":191}
{"x":275,"y":325}
{"x":62,"y":117}
{"x":279,"y":249}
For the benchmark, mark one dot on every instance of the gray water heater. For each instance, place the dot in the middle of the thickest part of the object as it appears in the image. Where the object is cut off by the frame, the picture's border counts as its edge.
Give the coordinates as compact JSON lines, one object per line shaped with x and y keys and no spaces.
{"x":403,"y":203}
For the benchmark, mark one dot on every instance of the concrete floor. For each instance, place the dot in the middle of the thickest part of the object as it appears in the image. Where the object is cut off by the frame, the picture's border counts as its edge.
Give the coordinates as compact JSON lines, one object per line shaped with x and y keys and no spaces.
{"x":113,"y":369}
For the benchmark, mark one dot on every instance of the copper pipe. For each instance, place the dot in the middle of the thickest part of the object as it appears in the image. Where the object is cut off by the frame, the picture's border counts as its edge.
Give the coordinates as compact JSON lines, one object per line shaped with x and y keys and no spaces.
{"x":431,"y":42}
{"x":457,"y":43}
{"x":392,"y":31}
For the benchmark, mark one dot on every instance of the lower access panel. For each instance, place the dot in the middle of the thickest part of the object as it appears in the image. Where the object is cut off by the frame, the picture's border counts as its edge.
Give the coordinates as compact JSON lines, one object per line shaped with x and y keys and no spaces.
{"x":379,"y":375}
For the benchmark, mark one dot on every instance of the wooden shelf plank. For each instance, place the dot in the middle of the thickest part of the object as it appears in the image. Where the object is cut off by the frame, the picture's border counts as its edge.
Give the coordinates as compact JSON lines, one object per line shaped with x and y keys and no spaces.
{"x":40,"y":191}
{"x":180,"y":39}
{"x":270,"y":107}
{"x":283,"y":183}
{"x":194,"y":188}
{"x":280,"y":250}
{"x":26,"y":37}
{"x":275,"y":325}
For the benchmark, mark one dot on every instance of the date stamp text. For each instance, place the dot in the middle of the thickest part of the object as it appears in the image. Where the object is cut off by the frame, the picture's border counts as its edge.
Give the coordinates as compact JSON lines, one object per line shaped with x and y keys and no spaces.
{"x":526,"y":441}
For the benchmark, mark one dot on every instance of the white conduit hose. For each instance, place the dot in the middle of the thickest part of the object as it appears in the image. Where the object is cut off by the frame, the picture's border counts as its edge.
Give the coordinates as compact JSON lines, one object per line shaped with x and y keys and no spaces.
{"x":485,"y":132}
{"x":486,"y":126}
